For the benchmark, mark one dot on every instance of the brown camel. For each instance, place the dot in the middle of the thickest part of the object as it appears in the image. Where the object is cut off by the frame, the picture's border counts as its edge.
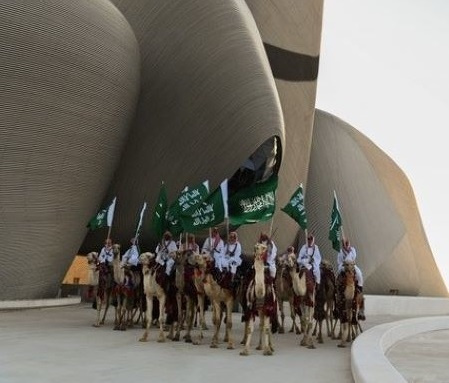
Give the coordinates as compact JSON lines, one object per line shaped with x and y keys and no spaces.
{"x":261,"y":301}
{"x":285,"y":293}
{"x":101,"y":284}
{"x":218,"y":295}
{"x":304,"y":288}
{"x":122,"y":293}
{"x":152,"y":289}
{"x":348,"y":303}
{"x":186,"y":292}
{"x":325,"y":300}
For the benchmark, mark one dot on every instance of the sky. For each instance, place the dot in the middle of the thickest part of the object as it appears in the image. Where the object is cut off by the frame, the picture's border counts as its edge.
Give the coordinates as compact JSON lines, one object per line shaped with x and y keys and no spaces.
{"x":384,"y":69}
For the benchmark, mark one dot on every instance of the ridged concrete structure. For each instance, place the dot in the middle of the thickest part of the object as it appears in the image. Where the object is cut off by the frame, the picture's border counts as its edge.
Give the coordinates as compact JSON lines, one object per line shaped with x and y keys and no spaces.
{"x":201,"y":104}
{"x":208,"y":101}
{"x":378,"y":207}
{"x":107,"y":99}
{"x":69,"y":75}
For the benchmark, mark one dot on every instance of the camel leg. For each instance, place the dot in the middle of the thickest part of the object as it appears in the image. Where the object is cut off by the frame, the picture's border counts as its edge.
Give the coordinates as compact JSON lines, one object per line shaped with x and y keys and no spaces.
{"x":203,"y":325}
{"x":202,"y":319}
{"x":245,"y":350}
{"x":266,"y":343}
{"x":97,"y":322}
{"x":320,"y":331}
{"x":230,"y":340}
{"x":189,"y":319}
{"x":261,"y":329}
{"x":106,"y":308}
{"x":180,"y":318}
{"x":281,"y":310}
{"x":217,"y":322}
{"x":149,"y":314}
{"x":344,"y":334}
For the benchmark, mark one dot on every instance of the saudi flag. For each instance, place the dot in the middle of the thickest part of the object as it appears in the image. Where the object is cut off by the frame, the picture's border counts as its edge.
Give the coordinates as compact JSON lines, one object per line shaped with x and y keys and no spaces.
{"x":187,"y":199}
{"x":254,"y":203}
{"x":210,"y":212}
{"x":103,"y":218}
{"x":335,"y":225}
{"x":295,"y":208}
{"x":158,"y":223}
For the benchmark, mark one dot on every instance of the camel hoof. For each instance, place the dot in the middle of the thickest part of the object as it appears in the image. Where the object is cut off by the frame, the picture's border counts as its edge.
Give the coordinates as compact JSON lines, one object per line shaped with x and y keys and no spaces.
{"x":268,"y":352}
{"x":188,"y":340}
{"x":258,"y":348}
{"x":311,"y":347}
{"x":341,"y":345}
{"x":244,"y":353}
{"x":175,"y":338}
{"x":213,"y":346}
{"x":161,"y":340}
{"x":230,"y":347}
{"x":96,"y":325}
{"x":143,"y":340}
{"x":320,"y":341}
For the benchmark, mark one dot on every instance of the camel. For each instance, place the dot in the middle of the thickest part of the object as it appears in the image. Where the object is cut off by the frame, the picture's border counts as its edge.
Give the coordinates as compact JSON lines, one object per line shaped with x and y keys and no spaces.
{"x":99,"y":276}
{"x":260,"y":299}
{"x":152,"y":289}
{"x":285,"y":293}
{"x":348,"y":301}
{"x":185,"y":292}
{"x":325,"y":300}
{"x":304,"y":289}
{"x":123,"y":311}
{"x":218,"y":295}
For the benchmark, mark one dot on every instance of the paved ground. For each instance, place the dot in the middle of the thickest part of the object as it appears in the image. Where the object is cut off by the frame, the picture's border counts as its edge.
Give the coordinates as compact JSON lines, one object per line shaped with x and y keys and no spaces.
{"x":422,"y":358}
{"x":60,"y":345}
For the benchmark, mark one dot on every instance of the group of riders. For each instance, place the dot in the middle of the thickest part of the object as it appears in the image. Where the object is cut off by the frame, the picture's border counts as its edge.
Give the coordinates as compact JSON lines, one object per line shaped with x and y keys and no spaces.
{"x":229,"y":263}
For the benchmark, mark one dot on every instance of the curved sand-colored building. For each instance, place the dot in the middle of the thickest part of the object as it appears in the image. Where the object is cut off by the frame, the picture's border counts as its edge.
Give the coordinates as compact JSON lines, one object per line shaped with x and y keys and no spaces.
{"x":107,"y":99}
{"x":378,"y":208}
{"x":69,"y":78}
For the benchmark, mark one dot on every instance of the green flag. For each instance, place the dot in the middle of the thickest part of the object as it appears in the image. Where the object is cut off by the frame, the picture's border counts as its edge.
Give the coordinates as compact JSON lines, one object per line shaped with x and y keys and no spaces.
{"x":210,"y":212}
{"x":335,"y":225}
{"x":158,"y":223}
{"x":254,"y":203}
{"x":188,"y":198}
{"x":295,"y":208}
{"x":103,"y":218}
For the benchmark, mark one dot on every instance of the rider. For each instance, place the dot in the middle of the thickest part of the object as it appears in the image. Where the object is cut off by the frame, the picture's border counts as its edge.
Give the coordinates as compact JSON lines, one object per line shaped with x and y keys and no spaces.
{"x":309,"y":257}
{"x":191,"y":244}
{"x":215,"y":246}
{"x":348,"y":253}
{"x":163,"y":251}
{"x":233,"y":254}
{"x":271,"y":253}
{"x":130,"y":262}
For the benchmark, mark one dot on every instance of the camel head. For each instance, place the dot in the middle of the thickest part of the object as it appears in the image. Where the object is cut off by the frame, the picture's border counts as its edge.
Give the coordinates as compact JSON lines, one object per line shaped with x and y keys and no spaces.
{"x":146,"y":258}
{"x":92,"y":257}
{"x":326,"y":265}
{"x":260,"y":251}
{"x":116,"y":250}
